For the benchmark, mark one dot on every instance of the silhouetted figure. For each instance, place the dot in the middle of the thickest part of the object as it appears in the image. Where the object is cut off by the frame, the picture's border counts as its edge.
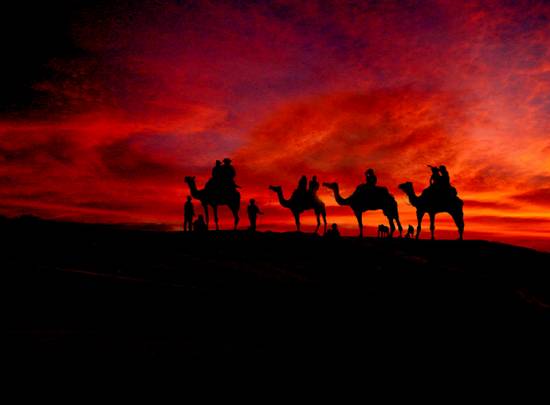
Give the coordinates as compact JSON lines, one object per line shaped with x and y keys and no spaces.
{"x":253,"y":211}
{"x":410,"y":232}
{"x":444,"y":176}
{"x":217,"y":171}
{"x":313,"y":185}
{"x":199,"y":225}
{"x":370,"y":178}
{"x":435,"y":199}
{"x":301,"y":201}
{"x":435,"y":178}
{"x":368,"y":197}
{"x":383,"y":231}
{"x":188,"y":214}
{"x":302,"y":185}
{"x":333,"y":232}
{"x":440,"y":183}
{"x":228,"y":173}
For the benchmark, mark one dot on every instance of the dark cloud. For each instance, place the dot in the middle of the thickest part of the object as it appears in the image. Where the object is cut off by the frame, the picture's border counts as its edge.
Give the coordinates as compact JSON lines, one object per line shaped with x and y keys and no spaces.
{"x":495,"y":205}
{"x":539,"y":197}
{"x":128,"y":160}
{"x":55,"y":148}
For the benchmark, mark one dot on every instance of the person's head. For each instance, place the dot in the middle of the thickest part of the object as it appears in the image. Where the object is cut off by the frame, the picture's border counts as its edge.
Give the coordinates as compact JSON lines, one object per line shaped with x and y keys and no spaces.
{"x":188,"y":198}
{"x":442,"y":169}
{"x":227,"y":161}
{"x":314,"y":178}
{"x":369,"y":172}
{"x":334,"y":227}
{"x":252,"y":201}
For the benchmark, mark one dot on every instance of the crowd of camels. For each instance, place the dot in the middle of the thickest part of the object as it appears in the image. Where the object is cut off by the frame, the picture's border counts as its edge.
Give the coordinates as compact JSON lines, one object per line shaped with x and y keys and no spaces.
{"x":361,"y":200}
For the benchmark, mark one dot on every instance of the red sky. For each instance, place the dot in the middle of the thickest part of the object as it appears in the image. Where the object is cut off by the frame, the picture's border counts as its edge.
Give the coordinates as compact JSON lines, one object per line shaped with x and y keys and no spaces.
{"x":103,"y":120}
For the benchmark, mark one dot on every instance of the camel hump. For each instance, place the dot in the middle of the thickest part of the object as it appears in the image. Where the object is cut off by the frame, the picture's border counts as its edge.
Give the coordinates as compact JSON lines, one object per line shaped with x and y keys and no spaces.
{"x":442,"y":195}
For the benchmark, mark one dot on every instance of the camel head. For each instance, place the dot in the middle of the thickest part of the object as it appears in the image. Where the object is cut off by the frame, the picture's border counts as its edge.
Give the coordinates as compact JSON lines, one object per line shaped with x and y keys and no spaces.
{"x":331,"y":186}
{"x":406,"y":187}
{"x":190,"y":179}
{"x":276,"y":188}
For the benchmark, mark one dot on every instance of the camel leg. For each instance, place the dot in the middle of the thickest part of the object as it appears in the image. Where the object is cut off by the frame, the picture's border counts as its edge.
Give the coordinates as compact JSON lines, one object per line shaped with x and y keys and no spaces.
{"x":399,"y":227}
{"x":205,"y":208}
{"x":297,"y":220}
{"x":392,"y":227}
{"x":419,"y":216}
{"x":236,"y":218}
{"x":359,"y":216}
{"x":324,"y":214}
{"x":318,"y":217}
{"x":235,"y":211}
{"x":458,"y":217}
{"x":215,"y":209}
{"x":432,"y":225}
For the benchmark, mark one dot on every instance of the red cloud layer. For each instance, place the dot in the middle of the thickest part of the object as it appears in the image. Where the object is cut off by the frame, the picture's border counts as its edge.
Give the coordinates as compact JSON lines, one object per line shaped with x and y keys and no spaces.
{"x":288,"y":88}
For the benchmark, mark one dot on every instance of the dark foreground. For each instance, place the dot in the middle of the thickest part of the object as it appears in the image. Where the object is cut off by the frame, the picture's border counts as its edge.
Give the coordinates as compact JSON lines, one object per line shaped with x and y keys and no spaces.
{"x":82,"y":293}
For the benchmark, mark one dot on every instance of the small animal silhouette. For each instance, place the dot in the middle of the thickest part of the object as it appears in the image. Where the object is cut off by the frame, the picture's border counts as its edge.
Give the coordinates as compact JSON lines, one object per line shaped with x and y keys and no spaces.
{"x":410,"y":232}
{"x":383,"y":231}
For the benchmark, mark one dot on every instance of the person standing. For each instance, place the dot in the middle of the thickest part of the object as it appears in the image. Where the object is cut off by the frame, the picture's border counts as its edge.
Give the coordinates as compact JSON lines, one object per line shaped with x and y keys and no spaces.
{"x":188,"y":214}
{"x":253,"y":211}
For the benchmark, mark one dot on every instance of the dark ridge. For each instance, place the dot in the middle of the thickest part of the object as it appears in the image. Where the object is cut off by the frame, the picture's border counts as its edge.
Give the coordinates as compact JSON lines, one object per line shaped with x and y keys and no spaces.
{"x":105,"y":293}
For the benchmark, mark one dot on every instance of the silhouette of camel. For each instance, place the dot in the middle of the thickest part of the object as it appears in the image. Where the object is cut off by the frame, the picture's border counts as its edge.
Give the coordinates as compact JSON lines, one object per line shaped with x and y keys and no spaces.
{"x":431,"y":203}
{"x":299,"y":203}
{"x":383,"y":231}
{"x":364,"y":199}
{"x":210,"y":196}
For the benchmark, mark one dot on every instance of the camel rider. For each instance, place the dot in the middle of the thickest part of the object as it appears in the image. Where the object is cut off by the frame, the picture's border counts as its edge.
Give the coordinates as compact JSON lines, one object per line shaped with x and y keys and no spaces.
{"x":435,"y":179}
{"x":313,"y":185}
{"x":216,"y":179}
{"x":216,"y":170}
{"x":444,"y":178}
{"x":302,"y":184}
{"x":445,"y":181}
{"x":227,"y":174}
{"x":370,"y":178}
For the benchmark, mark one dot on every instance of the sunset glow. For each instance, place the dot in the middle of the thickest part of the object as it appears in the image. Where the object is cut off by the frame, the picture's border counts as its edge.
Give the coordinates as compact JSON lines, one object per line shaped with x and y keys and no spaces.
{"x":121,"y":104}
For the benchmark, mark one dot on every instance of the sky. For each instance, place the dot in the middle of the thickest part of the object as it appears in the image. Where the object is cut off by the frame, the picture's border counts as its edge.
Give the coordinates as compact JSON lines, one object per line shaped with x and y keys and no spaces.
{"x":106,"y":106}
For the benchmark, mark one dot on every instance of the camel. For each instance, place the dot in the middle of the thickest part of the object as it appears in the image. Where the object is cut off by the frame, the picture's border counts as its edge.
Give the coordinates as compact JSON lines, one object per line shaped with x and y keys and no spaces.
{"x":209,"y":196}
{"x":383,"y":231}
{"x":364,"y":199}
{"x":428,"y":202}
{"x":298,"y":204}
